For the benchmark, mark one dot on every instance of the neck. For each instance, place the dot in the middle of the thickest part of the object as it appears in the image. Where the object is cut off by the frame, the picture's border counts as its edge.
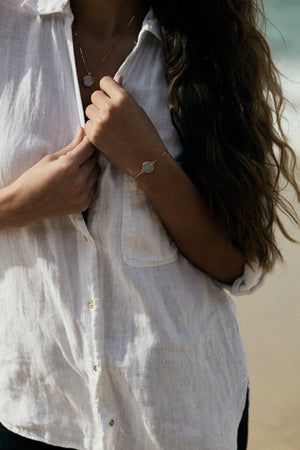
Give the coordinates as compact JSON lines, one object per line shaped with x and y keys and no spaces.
{"x":107,"y":18}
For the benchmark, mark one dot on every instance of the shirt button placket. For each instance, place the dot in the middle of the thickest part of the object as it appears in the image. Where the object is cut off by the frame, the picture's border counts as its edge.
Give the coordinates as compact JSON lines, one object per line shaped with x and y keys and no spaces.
{"x":91,"y":306}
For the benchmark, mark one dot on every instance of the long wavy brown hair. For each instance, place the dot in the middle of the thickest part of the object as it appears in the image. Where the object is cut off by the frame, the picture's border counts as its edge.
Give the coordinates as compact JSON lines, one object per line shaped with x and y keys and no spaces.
{"x":226,"y":103}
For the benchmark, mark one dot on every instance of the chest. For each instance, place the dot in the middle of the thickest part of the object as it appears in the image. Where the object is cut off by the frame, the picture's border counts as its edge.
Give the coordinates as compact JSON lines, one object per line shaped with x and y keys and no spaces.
{"x":42,"y":97}
{"x":97,"y":59}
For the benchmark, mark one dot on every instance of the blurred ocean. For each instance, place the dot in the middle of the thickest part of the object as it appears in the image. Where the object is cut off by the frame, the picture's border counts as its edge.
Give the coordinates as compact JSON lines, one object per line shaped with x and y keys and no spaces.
{"x":283,"y":33}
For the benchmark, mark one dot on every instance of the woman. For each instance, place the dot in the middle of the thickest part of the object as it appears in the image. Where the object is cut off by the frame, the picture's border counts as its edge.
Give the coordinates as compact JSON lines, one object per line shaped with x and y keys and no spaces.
{"x":117,"y":332}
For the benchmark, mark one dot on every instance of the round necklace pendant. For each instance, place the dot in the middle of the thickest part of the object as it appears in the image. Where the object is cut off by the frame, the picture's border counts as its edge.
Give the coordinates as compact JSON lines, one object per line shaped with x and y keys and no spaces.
{"x":88,"y":81}
{"x":148,"y":166}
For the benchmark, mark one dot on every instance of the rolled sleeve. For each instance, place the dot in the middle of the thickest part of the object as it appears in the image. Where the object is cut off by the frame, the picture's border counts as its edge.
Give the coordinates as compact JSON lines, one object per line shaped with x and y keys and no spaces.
{"x":252,"y":278}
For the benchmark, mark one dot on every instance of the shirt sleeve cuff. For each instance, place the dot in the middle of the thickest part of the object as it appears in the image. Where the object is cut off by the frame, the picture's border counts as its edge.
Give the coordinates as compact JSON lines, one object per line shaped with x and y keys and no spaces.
{"x":252,"y":278}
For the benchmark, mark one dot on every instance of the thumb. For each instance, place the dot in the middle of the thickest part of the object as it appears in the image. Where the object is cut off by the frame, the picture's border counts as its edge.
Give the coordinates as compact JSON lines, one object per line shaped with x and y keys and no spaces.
{"x":73,"y":144}
{"x":119,"y":79}
{"x":78,"y":137}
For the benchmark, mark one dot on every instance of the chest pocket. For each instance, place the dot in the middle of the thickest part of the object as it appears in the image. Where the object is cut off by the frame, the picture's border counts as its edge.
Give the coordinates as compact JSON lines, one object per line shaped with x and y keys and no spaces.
{"x":145,"y":240}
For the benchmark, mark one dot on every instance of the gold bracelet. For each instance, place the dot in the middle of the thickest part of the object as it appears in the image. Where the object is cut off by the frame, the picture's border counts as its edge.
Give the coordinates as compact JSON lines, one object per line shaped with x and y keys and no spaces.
{"x":148,"y":166}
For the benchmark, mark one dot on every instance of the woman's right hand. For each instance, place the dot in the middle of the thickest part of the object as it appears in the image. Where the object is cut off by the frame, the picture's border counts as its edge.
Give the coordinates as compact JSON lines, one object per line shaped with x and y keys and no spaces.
{"x":59,"y":184}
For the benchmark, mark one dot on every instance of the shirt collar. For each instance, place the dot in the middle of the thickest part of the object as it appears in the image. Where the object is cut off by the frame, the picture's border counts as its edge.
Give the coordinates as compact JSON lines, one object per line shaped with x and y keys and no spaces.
{"x":151,"y":24}
{"x":43,"y":7}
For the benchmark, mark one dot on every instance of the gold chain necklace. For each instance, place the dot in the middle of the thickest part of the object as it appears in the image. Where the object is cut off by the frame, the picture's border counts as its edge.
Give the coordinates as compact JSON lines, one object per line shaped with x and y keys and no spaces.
{"x":88,"y":79}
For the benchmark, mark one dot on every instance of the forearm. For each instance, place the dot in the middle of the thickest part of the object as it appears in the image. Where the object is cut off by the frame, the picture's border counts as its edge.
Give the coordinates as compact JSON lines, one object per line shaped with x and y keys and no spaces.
{"x":186,"y":216}
{"x":123,"y":132}
{"x":6,"y":217}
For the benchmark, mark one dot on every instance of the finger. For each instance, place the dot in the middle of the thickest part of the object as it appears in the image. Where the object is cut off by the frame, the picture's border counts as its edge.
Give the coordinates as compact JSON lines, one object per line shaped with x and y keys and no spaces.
{"x":79,"y":135}
{"x":93,"y":178}
{"x":89,"y":131}
{"x":99,"y":99}
{"x":92,"y":112}
{"x":110,"y":86}
{"x":119,"y":79}
{"x":89,"y":165}
{"x":82,"y":152}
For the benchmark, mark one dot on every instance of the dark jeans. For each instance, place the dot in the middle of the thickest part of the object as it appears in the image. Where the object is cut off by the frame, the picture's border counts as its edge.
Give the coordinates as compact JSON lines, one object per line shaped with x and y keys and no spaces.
{"x":12,"y":441}
{"x":242,"y":438}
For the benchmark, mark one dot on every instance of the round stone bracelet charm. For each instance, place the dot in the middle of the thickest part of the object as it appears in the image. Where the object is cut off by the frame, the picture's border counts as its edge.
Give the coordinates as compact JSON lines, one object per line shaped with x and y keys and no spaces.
{"x":88,"y":81}
{"x":148,"y":166}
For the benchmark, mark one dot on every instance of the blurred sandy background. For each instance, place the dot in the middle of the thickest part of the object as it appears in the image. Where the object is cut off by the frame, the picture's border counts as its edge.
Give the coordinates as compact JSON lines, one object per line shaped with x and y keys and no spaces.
{"x":270,"y":326}
{"x":270,"y":318}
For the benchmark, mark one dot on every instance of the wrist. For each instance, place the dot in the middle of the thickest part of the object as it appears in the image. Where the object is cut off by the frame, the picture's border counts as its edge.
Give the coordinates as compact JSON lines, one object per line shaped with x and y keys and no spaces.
{"x":10,"y":214}
{"x":149,"y":159}
{"x":148,"y":166}
{"x":162,"y":169}
{"x":6,"y":197}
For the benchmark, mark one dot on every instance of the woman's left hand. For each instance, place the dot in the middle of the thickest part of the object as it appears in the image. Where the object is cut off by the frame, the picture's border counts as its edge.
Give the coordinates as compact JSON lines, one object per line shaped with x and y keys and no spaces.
{"x":120,"y":128}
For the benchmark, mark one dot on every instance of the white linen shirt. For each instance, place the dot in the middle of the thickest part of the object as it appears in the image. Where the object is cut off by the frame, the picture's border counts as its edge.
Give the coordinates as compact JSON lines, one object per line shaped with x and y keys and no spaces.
{"x":109,"y":337}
